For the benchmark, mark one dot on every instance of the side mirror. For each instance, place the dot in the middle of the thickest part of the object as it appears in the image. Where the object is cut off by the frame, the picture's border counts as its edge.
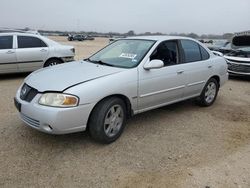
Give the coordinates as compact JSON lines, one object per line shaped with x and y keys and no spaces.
{"x":154,"y":64}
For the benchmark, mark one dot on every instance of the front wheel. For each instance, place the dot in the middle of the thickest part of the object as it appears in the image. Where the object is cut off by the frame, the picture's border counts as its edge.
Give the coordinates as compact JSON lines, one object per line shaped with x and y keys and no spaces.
{"x":209,"y":93}
{"x":107,"y":120}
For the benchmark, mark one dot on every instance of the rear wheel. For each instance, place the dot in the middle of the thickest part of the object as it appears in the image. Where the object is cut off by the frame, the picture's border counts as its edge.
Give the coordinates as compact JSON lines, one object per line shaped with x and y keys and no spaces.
{"x":52,"y":62}
{"x":107,"y":120}
{"x":209,"y":93}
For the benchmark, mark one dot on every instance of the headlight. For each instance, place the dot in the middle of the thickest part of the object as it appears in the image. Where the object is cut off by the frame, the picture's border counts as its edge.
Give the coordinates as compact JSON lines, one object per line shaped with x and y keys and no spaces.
{"x":58,"y":100}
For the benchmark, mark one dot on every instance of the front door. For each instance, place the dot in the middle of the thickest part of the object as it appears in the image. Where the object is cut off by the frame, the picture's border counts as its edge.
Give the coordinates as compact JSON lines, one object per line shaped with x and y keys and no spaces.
{"x":158,"y":87}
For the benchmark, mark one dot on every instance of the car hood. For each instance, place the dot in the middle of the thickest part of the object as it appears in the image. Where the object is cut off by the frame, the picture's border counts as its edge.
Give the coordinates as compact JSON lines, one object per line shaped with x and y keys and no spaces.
{"x":61,"y":77}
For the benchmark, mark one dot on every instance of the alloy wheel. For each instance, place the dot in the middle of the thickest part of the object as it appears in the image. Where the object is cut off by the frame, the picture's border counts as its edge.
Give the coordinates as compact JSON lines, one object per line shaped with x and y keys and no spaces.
{"x":113,"y":120}
{"x":210,"y":92}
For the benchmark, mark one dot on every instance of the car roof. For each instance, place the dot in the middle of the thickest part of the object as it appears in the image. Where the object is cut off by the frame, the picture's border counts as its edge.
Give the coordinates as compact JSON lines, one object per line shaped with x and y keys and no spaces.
{"x":47,"y":40}
{"x":159,"y":37}
{"x":19,"y":33}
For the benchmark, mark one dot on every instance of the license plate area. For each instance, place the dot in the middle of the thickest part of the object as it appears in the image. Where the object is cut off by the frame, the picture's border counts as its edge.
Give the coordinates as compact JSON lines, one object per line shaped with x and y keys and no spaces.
{"x":18,"y":105}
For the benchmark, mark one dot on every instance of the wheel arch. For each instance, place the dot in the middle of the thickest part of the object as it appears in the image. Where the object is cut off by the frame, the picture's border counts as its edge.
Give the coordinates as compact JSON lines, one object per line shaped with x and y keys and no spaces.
{"x":51,"y":58}
{"x":217,"y":78}
{"x":129,"y":110}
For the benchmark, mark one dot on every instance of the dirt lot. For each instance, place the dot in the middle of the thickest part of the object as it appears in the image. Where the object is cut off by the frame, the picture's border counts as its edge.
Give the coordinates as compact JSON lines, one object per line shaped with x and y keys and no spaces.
{"x":181,"y":145}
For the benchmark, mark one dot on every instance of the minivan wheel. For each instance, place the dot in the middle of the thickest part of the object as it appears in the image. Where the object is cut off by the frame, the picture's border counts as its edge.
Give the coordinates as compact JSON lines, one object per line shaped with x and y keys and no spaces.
{"x":107,"y":120}
{"x":209,"y":93}
{"x":52,"y":62}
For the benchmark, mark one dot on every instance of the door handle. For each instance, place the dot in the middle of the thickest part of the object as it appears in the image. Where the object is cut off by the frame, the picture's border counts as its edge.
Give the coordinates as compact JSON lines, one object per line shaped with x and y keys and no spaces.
{"x":43,"y":50}
{"x":180,"y":71}
{"x":210,"y":66}
{"x":10,"y":52}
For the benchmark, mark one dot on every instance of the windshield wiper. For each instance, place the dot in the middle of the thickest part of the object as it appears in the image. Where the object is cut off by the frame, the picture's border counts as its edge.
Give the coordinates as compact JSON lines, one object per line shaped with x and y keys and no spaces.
{"x":98,"y":62}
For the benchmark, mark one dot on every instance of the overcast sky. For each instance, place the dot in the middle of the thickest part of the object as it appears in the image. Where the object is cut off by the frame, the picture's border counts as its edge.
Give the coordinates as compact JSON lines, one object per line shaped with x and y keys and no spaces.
{"x":199,"y":16}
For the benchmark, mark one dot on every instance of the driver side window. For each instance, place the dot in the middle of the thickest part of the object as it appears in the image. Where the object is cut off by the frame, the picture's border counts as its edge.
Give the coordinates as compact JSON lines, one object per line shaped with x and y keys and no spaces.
{"x":167,"y":52}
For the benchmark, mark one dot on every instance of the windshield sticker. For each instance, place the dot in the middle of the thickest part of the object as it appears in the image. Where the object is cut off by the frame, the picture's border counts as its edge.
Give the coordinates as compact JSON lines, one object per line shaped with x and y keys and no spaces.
{"x":127,"y":55}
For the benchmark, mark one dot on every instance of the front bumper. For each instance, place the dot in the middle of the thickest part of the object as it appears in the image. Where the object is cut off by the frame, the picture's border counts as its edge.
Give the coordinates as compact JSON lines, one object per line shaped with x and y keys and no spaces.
{"x":238,"y":68}
{"x":53,"y":120}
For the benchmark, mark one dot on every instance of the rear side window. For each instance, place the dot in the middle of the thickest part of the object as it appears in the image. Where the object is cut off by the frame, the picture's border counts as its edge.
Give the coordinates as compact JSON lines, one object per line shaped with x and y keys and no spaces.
{"x":191,"y":51}
{"x":204,"y":53}
{"x":6,"y":42}
{"x":30,"y":42}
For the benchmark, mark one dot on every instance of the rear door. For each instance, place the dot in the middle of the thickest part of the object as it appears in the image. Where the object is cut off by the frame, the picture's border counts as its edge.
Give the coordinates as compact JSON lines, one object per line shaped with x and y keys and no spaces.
{"x":197,"y":66}
{"x":31,"y":53}
{"x":7,"y":54}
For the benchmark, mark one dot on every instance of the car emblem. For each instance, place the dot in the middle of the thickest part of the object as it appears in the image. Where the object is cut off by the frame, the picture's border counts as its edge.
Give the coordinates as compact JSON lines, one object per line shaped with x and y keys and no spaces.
{"x":24,"y":91}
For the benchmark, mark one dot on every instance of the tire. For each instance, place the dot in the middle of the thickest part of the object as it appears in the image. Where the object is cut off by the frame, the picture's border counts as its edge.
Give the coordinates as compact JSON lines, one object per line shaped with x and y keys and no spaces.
{"x":52,"y":62}
{"x":107,"y":120}
{"x":209,"y":93}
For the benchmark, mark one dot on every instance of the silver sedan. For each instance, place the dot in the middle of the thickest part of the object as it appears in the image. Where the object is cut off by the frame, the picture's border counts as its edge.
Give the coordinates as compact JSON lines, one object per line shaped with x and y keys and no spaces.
{"x":26,"y":52}
{"x":127,"y":77}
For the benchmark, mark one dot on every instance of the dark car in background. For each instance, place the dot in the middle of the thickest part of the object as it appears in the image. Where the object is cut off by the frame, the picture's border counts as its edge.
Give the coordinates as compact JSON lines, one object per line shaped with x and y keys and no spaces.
{"x":76,"y":37}
{"x":79,"y":37}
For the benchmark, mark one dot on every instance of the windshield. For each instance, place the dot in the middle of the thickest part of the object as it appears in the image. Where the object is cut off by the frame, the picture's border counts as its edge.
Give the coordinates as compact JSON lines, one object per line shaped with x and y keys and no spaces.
{"x":123,"y":53}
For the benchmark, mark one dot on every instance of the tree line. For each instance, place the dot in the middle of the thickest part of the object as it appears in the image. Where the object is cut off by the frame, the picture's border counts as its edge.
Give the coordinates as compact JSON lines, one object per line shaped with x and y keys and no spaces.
{"x":132,"y":33}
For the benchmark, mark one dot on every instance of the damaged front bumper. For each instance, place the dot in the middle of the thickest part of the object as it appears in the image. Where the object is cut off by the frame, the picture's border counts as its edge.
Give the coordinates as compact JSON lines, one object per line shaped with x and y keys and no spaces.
{"x":237,"y":67}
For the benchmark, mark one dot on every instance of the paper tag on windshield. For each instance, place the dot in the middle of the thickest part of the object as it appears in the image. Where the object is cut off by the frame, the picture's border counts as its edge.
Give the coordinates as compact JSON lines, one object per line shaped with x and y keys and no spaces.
{"x":127,"y":55}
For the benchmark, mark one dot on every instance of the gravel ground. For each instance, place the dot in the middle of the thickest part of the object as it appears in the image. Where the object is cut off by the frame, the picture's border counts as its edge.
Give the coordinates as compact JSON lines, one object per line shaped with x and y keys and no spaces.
{"x":181,"y":145}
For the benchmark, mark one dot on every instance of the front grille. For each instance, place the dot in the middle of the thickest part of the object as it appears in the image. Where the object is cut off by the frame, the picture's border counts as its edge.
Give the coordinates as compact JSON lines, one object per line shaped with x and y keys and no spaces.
{"x":30,"y":121}
{"x":28,"y":93}
{"x":237,"y":67}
